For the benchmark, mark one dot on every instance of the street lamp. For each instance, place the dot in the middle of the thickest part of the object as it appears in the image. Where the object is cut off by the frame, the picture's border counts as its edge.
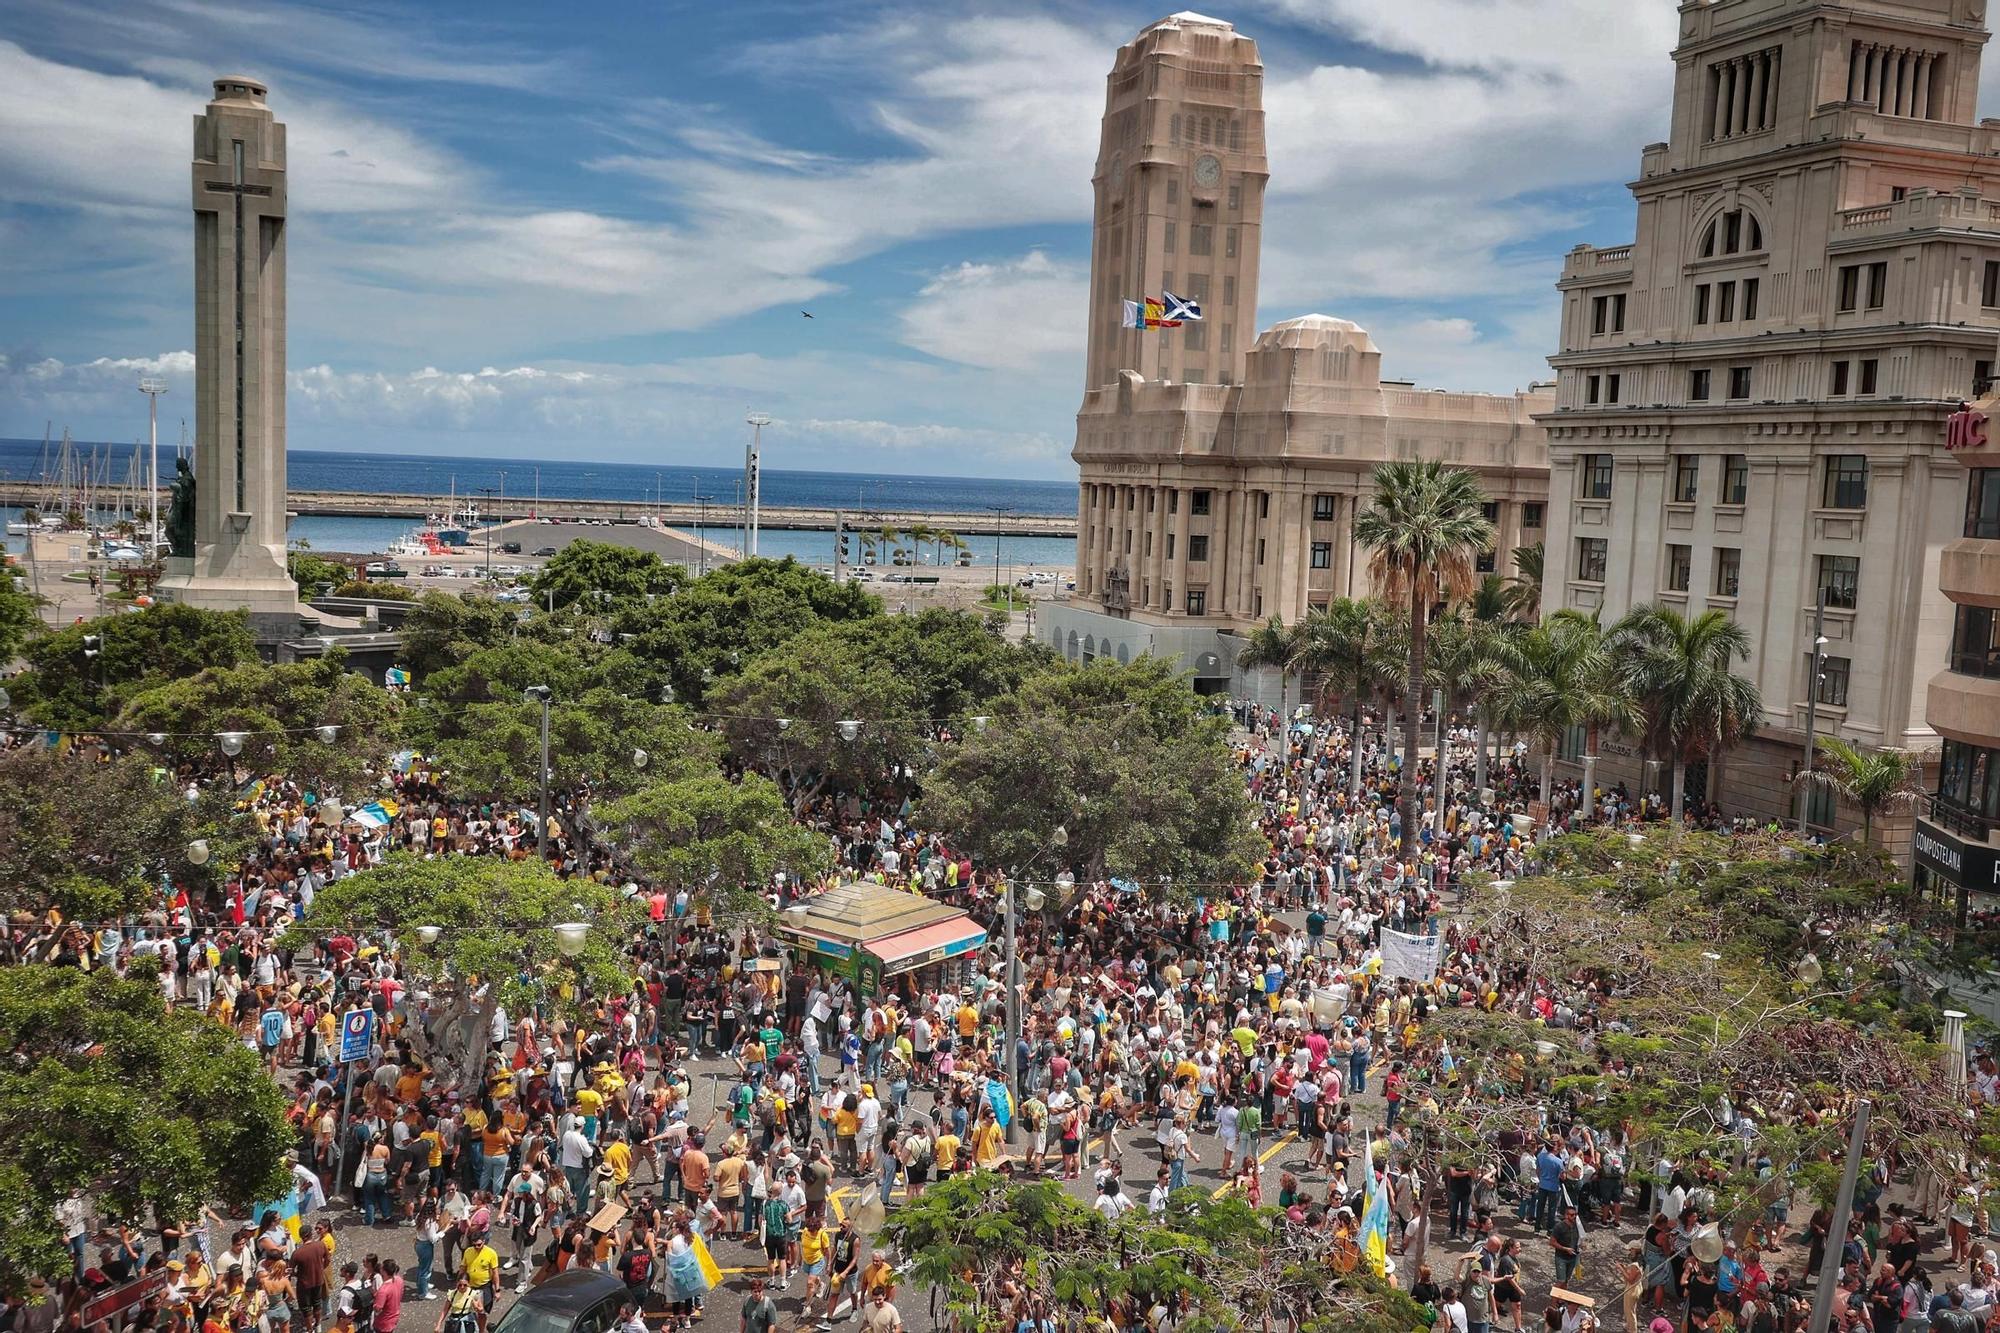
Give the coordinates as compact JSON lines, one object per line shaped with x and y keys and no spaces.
{"x":326,"y":734}
{"x":1010,"y":1067}
{"x":1812,"y":706}
{"x":570,"y":937}
{"x":542,"y":694}
{"x":849,"y":730}
{"x":197,"y":852}
{"x":428,"y":934}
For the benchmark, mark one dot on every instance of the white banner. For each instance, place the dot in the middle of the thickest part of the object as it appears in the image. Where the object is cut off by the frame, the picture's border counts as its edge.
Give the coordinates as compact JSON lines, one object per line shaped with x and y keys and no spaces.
{"x":1413,"y":956}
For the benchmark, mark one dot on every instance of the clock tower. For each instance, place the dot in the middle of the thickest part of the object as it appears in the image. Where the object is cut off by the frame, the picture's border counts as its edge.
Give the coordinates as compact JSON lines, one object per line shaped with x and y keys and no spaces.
{"x":1179,"y":201}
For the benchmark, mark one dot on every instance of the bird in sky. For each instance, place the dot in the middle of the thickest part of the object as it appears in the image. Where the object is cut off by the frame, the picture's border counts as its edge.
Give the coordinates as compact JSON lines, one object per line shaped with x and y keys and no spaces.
{"x":807,"y":313}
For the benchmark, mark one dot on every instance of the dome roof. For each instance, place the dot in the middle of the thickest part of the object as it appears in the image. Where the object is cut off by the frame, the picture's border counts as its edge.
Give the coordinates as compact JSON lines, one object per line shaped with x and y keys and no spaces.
{"x":1316,"y":331}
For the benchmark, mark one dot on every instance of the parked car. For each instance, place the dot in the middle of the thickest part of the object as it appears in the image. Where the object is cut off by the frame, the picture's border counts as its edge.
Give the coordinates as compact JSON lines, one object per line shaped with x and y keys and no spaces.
{"x":542,"y":552}
{"x":582,"y":1300}
{"x":511,"y":548}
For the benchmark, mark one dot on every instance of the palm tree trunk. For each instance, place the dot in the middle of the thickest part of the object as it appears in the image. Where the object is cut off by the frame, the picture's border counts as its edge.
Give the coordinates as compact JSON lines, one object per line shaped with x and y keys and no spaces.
{"x":1479,"y":761}
{"x":1354,"y":756}
{"x":1589,"y":802}
{"x":1437,"y":768}
{"x":1406,"y":795}
{"x":1680,"y":781}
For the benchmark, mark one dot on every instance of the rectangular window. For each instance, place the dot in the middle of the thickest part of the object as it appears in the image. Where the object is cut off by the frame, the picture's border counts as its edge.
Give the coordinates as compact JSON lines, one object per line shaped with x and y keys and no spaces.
{"x":1172,"y":235}
{"x":1878,"y":285}
{"x":1735,"y":479}
{"x":1838,"y":386}
{"x":1832,"y":685}
{"x":1592,"y":555}
{"x":1989,"y":286}
{"x":1173,"y":190}
{"x":1728,"y":570}
{"x":1197,"y":548}
{"x":1698,"y":386}
{"x":1974,"y":649}
{"x":1701,"y":303}
{"x":1198,"y":501}
{"x":1148,"y":552}
{"x":1228,"y":338}
{"x":1850,"y":287}
{"x":1982,"y":503}
{"x":1592,"y":387}
{"x":1725,"y":302}
{"x":1323,"y":505}
{"x":1170,"y":546}
{"x":1611,"y":388}
{"x":1531,"y":514}
{"x":1263,"y":505}
{"x":1229,"y":243}
{"x":1229,"y":289}
{"x":1846,"y":484}
{"x":1868,"y":368}
{"x":1687,"y":475}
{"x":1260,"y":550}
{"x":1982,"y":378}
{"x":1322,"y":555}
{"x":1201,"y":238}
{"x":1739,"y":381}
{"x":1600,"y":313}
{"x":1618,"y":313}
{"x":1680,"y":567}
{"x":1173,"y":502}
{"x":1235,"y":197}
{"x":1749,"y":298}
{"x":1484,"y":562}
{"x":1152,"y":499}
{"x":1197,"y":602}
{"x":1195,"y":339}
{"x":1597,"y":476}
{"x":1820,"y":806}
{"x":1840,"y":579}
{"x":1969,"y":780}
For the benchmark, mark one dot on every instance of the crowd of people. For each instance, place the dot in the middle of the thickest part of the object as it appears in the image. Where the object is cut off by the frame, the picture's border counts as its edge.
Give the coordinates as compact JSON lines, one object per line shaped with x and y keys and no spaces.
{"x":709,"y":1115}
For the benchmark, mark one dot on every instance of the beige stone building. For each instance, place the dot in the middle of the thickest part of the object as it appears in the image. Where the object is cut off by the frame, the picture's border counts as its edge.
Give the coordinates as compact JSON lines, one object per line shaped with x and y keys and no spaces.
{"x":1957,"y":844}
{"x":1220,"y":473}
{"x":1752,"y":394}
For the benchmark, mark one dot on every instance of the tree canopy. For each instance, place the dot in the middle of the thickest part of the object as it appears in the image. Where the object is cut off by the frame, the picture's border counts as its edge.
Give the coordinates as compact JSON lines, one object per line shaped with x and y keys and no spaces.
{"x":713,"y":836}
{"x":586,"y":571}
{"x":18,"y":618}
{"x":65,"y":690}
{"x":153,"y":1113}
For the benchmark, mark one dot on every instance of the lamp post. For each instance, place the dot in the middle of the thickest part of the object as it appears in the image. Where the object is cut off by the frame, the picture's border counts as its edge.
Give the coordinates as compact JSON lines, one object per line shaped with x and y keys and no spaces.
{"x":999,"y":512}
{"x":1010,"y":1067}
{"x":542,"y":694}
{"x":1843,"y":1208}
{"x":487,"y":491}
{"x":1812,"y":704}
{"x":153,"y":387}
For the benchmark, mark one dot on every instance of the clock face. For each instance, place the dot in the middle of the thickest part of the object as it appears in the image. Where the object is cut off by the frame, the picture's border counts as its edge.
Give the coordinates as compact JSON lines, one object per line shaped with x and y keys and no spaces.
{"x":1207,"y":171}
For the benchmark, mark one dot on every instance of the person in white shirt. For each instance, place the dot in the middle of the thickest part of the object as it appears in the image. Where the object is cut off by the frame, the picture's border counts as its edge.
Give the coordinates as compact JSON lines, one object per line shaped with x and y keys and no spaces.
{"x":1454,"y":1312}
{"x":1156,"y":1202}
{"x":1111,"y":1201}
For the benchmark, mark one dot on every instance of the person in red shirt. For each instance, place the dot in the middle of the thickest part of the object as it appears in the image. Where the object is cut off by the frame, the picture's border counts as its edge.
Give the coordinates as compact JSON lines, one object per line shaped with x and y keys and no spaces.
{"x":1392,"y":1092}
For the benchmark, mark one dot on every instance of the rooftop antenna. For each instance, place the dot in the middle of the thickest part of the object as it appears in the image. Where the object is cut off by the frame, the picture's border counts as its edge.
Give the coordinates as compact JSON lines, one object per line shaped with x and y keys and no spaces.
{"x":751,"y":489}
{"x":153,"y":387}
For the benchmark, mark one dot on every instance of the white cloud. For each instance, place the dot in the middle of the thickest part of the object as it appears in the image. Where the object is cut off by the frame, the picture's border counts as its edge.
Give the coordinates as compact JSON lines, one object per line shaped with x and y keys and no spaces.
{"x":1021,"y":315}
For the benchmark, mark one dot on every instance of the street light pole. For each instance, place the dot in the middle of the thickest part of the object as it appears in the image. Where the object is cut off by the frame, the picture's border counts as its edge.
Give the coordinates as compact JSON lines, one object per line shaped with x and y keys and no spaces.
{"x":1812,"y":704}
{"x":542,"y":694}
{"x":1010,"y":1068}
{"x":487,"y":491}
{"x":998,"y":511}
{"x":1836,"y":1235}
{"x":153,"y":388}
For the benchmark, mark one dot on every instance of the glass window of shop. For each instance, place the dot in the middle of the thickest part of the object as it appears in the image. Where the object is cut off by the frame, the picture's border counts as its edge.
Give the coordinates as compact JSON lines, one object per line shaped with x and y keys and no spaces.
{"x":1982,"y":504}
{"x":1969,"y":779}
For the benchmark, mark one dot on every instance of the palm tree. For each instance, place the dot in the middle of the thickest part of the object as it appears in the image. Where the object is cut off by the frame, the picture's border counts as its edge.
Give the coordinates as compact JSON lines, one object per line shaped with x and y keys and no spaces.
{"x":1678,"y":669}
{"x":1492,"y":600}
{"x":1353,"y":647}
{"x":1524,"y":589}
{"x":1558,"y":675}
{"x":1462,"y":663}
{"x":1425,"y":527}
{"x":1876,"y":780}
{"x":1272,"y":644}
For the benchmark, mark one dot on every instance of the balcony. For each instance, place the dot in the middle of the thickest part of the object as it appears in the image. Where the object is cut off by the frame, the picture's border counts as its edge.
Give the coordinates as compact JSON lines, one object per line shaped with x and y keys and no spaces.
{"x":1960,"y":819}
{"x":1965,"y":704}
{"x":1920,"y":211}
{"x":1588,"y":264}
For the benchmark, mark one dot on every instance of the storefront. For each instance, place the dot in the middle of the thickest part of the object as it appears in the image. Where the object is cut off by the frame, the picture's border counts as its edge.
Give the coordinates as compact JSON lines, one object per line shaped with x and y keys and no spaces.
{"x":876,"y":936}
{"x":1967,"y":872}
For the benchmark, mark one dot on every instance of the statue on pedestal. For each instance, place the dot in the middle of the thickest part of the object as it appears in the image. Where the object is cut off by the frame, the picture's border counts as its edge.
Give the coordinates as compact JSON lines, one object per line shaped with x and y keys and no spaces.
{"x":180,"y":511}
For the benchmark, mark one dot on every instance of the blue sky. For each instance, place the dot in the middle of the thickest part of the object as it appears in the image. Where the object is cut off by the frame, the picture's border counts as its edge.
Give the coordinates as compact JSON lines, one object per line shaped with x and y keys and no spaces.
{"x":520,"y":232}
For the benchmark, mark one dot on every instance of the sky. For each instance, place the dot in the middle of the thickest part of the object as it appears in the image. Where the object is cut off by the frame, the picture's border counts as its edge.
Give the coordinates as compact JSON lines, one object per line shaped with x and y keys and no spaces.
{"x":517,"y":232}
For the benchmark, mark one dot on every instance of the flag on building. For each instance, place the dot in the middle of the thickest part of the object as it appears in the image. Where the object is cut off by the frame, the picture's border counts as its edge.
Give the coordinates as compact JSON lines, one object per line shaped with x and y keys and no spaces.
{"x":1180,"y":308}
{"x":1148,"y":314}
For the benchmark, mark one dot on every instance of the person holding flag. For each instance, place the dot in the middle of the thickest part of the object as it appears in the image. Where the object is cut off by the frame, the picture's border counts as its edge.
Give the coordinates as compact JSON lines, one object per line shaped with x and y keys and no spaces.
{"x":1375,"y":1224}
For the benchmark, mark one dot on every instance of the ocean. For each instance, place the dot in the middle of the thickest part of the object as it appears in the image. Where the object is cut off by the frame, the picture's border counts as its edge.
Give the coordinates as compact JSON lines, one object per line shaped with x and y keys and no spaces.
{"x":411,"y":474}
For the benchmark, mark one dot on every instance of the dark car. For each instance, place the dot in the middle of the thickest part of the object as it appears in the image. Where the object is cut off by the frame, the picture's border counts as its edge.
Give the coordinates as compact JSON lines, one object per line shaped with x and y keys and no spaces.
{"x":511,"y":548}
{"x":545,"y":550}
{"x":582,"y":1300}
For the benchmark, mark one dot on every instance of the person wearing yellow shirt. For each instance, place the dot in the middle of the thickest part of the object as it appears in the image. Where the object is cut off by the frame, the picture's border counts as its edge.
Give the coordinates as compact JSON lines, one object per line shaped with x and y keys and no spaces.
{"x":968,"y":1020}
{"x":945,"y":1150}
{"x":815,"y":1243}
{"x":618,"y":1157}
{"x":589,"y":1105}
{"x":481,"y":1265}
{"x":986,"y":1141}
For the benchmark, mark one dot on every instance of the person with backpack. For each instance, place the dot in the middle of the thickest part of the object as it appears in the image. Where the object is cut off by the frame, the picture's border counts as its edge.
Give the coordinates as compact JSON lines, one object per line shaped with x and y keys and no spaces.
{"x":635,"y":1269}
{"x":461,"y":1313}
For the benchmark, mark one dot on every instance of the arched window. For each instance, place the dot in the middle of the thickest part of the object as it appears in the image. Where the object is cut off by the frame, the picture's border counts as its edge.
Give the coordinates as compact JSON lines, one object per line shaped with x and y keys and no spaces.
{"x":1732,"y":233}
{"x":1071,"y":653}
{"x":1089,"y":647}
{"x":1204,"y":129}
{"x":1124,"y":655}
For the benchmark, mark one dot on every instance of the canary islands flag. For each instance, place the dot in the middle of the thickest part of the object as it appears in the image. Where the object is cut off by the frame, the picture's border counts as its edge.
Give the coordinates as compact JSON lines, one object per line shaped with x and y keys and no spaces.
{"x":1375,"y":1226}
{"x":396,"y":675}
{"x":1148,"y":314}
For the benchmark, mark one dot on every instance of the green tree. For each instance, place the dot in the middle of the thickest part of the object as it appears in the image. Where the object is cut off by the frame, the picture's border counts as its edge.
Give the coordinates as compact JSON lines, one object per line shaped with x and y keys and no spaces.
{"x":1558,"y":675}
{"x":1679,"y":670}
{"x":784,"y":713}
{"x":1272,"y":644}
{"x":309,"y":571}
{"x":497,"y":943}
{"x":715,"y":837}
{"x":1126,"y":759}
{"x":382,"y":590}
{"x":599,"y":740}
{"x":1464,"y":664}
{"x":153,"y":1114}
{"x":1425,"y":526}
{"x":1354,"y":649}
{"x":1524,"y":587}
{"x":20,"y":617}
{"x":280,"y":708}
{"x":443,"y":629}
{"x":92,"y":838}
{"x":66,"y":690}
{"x":603,"y":571}
{"x":1878,"y":781}
{"x":955,"y":662}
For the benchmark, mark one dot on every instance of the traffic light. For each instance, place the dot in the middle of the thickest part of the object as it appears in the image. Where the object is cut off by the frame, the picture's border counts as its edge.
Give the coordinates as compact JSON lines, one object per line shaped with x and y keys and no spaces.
{"x":844,"y":549}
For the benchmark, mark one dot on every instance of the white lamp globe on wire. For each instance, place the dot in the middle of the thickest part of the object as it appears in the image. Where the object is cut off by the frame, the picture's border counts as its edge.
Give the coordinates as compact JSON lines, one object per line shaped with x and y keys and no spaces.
{"x":326,"y":734}
{"x":849,"y":730}
{"x":197,"y":851}
{"x":570,"y":937}
{"x":428,"y":934}
{"x":156,"y":738}
{"x":1060,"y":837}
{"x":1706,"y":1244}
{"x":331,"y":813}
{"x":639,"y":758}
{"x":6,"y":699}
{"x":784,"y":724}
{"x":1034,"y":898}
{"x":231,"y":742}
{"x":1808,"y":970}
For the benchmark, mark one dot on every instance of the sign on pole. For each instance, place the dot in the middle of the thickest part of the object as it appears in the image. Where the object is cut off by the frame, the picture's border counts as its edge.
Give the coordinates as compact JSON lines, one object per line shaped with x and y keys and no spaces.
{"x":357,"y":1034}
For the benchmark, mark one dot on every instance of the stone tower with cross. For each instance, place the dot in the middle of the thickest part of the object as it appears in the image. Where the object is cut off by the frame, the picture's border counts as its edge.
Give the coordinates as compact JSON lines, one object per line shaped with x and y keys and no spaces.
{"x":236,"y":558}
